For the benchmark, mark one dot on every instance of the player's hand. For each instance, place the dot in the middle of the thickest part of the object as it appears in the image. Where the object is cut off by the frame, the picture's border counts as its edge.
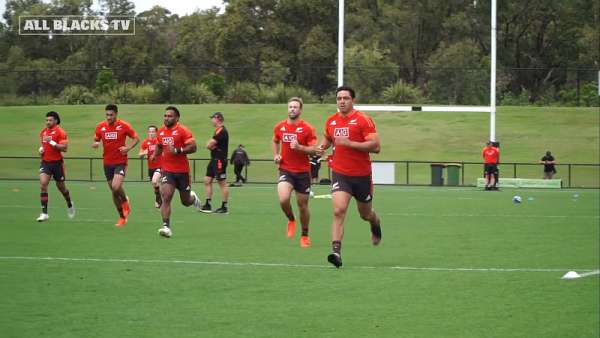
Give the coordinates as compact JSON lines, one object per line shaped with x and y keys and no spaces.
{"x":319,"y":150}
{"x":123,"y":150}
{"x":277,"y":159}
{"x":295,"y":145}
{"x":171,"y":149}
{"x":41,"y":150}
{"x":47,"y":138}
{"x":95,"y":145}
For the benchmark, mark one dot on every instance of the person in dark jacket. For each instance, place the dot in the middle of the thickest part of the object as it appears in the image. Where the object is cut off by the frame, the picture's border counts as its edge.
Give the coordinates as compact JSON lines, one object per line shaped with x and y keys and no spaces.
{"x":239,"y":159}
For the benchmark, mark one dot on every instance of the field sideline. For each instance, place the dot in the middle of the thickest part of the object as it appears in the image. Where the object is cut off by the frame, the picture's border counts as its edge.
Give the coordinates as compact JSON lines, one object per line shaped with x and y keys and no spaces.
{"x":449,"y":265}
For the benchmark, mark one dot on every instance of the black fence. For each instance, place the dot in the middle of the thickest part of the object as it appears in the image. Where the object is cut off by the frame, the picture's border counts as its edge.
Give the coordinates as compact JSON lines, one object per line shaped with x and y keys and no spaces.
{"x":573,"y":175}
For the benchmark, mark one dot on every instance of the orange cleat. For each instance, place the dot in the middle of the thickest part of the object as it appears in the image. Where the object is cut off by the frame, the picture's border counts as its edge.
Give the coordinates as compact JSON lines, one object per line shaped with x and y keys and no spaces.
{"x":304,"y":241}
{"x":121,"y":222}
{"x":291,"y":229}
{"x":126,"y":207}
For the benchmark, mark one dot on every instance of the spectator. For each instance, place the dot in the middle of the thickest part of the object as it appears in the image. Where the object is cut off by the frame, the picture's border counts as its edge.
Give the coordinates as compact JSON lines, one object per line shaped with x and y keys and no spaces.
{"x":239,"y":159}
{"x":548,"y":162}
{"x":315,"y":166}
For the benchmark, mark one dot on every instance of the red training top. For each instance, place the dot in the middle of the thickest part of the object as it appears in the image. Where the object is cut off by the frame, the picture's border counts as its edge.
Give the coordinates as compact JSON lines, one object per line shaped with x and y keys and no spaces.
{"x":357,"y":126}
{"x":293,"y":160}
{"x":149,"y":144}
{"x":113,"y":137}
{"x":491,"y":155}
{"x":56,"y":134}
{"x":177,"y":136}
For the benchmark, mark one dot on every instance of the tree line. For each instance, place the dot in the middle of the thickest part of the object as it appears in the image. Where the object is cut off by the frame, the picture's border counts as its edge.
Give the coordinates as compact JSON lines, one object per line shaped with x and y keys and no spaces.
{"x":261,"y":51}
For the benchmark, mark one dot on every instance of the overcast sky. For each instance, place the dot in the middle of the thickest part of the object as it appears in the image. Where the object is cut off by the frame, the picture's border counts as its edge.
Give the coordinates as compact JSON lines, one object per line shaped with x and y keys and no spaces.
{"x":181,"y":7}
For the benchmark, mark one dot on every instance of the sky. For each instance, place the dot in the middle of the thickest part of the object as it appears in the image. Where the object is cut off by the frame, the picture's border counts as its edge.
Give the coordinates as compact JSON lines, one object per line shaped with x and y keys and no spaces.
{"x":181,"y":7}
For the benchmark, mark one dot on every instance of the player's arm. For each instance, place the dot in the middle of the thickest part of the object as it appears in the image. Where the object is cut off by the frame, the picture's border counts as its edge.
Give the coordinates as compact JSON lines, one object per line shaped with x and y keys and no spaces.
{"x":371,"y":144}
{"x":126,"y":148}
{"x":307,"y":149}
{"x":189,"y":147}
{"x":157,"y":152}
{"x":60,"y":146}
{"x":324,"y":145}
{"x":276,"y":148}
{"x":142,"y":153}
{"x":97,"y":139}
{"x":211,"y":144}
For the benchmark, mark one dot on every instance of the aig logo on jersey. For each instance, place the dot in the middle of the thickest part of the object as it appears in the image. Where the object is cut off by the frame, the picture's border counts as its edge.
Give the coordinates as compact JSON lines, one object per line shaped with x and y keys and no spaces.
{"x":344,"y":132}
{"x":111,"y":135}
{"x":289,"y":137}
{"x":168,"y":140}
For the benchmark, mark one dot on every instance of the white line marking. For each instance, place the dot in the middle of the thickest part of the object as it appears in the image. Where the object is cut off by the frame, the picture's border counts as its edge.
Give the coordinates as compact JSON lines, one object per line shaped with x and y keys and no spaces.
{"x":591,"y":273}
{"x":481,"y":215}
{"x":285,"y":265}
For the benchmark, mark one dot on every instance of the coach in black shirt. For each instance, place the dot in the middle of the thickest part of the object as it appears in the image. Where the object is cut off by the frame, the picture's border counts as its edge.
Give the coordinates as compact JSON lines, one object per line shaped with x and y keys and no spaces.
{"x":217,"y":167}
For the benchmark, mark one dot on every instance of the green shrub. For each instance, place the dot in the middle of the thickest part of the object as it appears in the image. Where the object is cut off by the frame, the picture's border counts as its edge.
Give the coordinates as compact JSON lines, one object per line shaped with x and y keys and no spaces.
{"x":402,"y":92}
{"x":202,"y":94}
{"x":76,"y":94}
{"x":143,"y":94}
{"x":242,"y":92}
{"x":105,"y":81}
{"x":281,"y":93}
{"x":215,"y":83}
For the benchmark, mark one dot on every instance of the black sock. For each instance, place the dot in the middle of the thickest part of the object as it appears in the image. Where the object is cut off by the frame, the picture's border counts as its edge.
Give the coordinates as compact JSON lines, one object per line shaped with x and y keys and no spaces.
{"x":208,"y":201}
{"x":166,"y":222}
{"x":44,"y":201}
{"x":336,"y":246}
{"x":224,"y":205}
{"x":376,"y":228}
{"x":67,"y":196}
{"x":304,"y":230}
{"x":290,"y":216}
{"x":120,"y":210}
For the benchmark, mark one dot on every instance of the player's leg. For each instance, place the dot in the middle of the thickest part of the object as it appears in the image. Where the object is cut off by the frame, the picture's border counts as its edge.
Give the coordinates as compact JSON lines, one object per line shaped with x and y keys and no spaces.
{"x":340,"y":200}
{"x":62,"y":187}
{"x":119,"y":192}
{"x":284,"y":192}
{"x":156,"y":186}
{"x":302,"y":201}
{"x":368,"y":214}
{"x":224,"y":196}
{"x":44,"y":181}
{"x":186,"y":194}
{"x":167,"y":189}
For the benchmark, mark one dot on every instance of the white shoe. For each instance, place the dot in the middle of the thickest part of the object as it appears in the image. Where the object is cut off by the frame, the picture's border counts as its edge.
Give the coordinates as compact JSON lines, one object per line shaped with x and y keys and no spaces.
{"x":71,"y":211}
{"x":197,"y":203}
{"x":43,"y":217}
{"x":156,"y":205}
{"x":165,"y":231}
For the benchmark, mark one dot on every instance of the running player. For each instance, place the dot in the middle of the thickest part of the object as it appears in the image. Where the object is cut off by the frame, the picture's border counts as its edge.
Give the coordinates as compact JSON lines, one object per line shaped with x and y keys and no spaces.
{"x":175,"y":141}
{"x":53,"y":143}
{"x":293,"y":141}
{"x":353,"y":136}
{"x":147,"y":149}
{"x":113,"y":133}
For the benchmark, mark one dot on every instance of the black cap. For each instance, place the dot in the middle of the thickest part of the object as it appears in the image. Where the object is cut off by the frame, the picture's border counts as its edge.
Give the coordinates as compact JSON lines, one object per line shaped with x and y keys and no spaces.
{"x":218,"y":115}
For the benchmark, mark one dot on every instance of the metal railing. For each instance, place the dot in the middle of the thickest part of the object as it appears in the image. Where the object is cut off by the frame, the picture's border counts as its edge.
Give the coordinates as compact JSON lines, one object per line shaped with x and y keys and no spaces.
{"x":573,"y":175}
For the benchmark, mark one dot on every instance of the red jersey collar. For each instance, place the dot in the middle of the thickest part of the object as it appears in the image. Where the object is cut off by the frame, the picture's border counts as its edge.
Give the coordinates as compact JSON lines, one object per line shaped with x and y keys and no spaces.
{"x":350,"y":114}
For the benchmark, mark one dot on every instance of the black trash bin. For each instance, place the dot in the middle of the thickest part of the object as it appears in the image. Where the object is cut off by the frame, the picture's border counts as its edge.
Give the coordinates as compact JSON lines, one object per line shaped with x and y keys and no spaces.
{"x":437,"y":174}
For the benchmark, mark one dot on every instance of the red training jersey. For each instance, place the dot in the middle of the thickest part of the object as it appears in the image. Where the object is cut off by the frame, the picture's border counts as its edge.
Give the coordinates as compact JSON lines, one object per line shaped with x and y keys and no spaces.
{"x":357,"y":126}
{"x":177,"y":136}
{"x":491,"y":155}
{"x":149,"y":144}
{"x":284,"y":133}
{"x":56,"y":134}
{"x":113,"y":137}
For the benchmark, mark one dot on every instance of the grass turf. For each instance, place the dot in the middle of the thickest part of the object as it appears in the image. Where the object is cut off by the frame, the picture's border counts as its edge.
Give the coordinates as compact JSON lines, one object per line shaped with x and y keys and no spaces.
{"x":204,"y":280}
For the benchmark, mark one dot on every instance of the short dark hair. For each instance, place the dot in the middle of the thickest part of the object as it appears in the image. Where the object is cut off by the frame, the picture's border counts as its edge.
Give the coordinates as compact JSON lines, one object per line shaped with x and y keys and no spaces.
{"x":54,"y":115}
{"x":112,"y":107}
{"x":153,"y":126}
{"x":173,"y":108}
{"x":347,"y":88}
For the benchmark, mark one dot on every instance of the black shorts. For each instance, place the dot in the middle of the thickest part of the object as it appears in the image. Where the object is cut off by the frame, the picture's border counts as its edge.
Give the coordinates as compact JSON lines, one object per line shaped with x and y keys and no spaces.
{"x":217,"y":169}
{"x":181,"y":181}
{"x":490,"y":168}
{"x":300,"y":181}
{"x":55,"y":169}
{"x":114,"y":169}
{"x":152,"y":171}
{"x":361,"y":187}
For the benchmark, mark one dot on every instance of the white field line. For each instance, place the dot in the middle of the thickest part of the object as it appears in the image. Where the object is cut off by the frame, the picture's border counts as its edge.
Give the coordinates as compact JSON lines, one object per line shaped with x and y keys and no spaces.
{"x":591,"y":273}
{"x":284,"y":265}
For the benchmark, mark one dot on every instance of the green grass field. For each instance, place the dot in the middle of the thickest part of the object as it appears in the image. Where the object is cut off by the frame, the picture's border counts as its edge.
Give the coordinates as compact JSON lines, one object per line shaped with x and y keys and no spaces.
{"x":525,"y":133}
{"x":453,"y":263}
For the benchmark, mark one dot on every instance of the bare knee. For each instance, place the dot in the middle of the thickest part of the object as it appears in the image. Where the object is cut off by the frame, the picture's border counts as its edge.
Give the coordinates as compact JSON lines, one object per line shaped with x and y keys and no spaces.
{"x":339,"y":212}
